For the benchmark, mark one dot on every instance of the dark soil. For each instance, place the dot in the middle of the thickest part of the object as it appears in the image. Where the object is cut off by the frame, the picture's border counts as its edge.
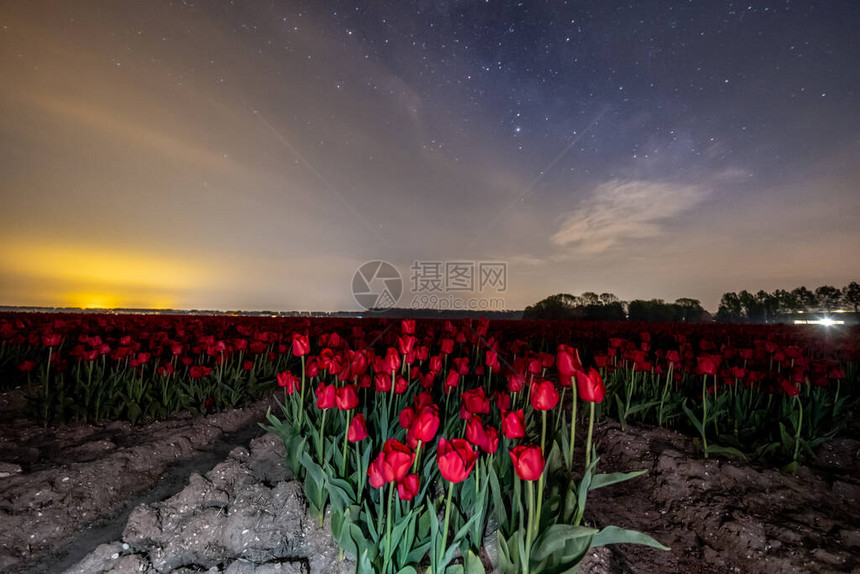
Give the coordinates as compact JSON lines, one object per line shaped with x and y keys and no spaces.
{"x":192,"y":495}
{"x":65,"y":489}
{"x":724,"y":516}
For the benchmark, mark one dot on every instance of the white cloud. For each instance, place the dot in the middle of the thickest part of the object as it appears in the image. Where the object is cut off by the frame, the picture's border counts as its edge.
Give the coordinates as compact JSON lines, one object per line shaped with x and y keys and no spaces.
{"x":623,"y":210}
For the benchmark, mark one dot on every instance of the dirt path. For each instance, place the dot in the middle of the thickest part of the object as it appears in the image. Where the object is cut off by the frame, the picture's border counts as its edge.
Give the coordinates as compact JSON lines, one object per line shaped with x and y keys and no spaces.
{"x":722,"y":516}
{"x":211,"y":494}
{"x":65,"y":489}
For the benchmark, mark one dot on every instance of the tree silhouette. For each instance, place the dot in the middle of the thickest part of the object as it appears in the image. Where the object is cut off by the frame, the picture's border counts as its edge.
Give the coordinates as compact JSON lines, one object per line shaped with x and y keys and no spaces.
{"x":730,"y":309}
{"x":851,"y":294}
{"x":805,"y":298}
{"x":829,"y":297}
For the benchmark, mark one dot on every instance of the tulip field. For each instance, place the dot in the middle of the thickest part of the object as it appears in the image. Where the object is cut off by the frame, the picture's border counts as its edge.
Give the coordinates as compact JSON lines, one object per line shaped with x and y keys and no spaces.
{"x":426,"y":441}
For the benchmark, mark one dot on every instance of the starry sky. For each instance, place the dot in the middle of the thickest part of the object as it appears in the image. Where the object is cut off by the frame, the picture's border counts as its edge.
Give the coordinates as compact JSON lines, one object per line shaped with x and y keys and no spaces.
{"x":252,"y":155}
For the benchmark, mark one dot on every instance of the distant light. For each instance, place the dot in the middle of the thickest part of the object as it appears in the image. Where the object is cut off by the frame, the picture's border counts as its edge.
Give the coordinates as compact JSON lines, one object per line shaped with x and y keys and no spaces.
{"x":827,"y":322}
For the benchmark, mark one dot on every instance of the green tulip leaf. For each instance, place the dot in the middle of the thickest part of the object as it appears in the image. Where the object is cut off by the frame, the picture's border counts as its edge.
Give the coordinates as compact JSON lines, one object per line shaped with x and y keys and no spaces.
{"x":693,"y":418}
{"x":472,"y":564}
{"x":601,"y":480}
{"x":616,"y":535}
{"x":554,"y":538}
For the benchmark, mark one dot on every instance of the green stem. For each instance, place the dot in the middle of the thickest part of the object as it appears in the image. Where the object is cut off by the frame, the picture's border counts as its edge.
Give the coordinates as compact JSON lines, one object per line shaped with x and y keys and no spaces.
{"x":345,"y":443}
{"x":387,"y":564}
{"x":560,"y":406}
{"x":531,"y":526}
{"x":705,"y":413}
{"x":302,"y":396}
{"x":716,"y":391}
{"x":663,"y":396}
{"x":322,"y":437}
{"x":47,"y":378}
{"x":417,"y":456}
{"x":590,"y":432}
{"x":360,"y":474}
{"x":799,"y":426}
{"x":572,"y":427}
{"x":391,"y":393}
{"x":447,"y":518}
{"x":541,"y":479}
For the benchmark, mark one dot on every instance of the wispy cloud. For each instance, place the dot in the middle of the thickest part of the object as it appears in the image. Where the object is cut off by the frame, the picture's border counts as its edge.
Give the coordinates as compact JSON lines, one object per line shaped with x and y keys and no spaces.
{"x":622,"y":210}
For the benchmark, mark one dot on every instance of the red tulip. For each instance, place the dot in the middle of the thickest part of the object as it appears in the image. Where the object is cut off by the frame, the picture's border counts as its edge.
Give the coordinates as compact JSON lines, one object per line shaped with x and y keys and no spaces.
{"x":198,"y":371}
{"x":398,"y":459}
{"x":357,"y":429}
{"x":346,"y":397}
{"x":503,"y":400}
{"x":547,"y":360}
{"x":288,"y":381}
{"x":451,"y":381}
{"x":406,"y":417}
{"x":407,"y":326}
{"x":543,"y":395}
{"x":492,"y":361}
{"x":325,"y":396}
{"x":54,"y":340}
{"x":357,"y":364}
{"x":405,"y":344}
{"x":400,"y":385}
{"x":476,"y":402}
{"x":407,"y":488}
{"x":708,"y":364}
{"x":425,"y":424}
{"x":301,"y":345}
{"x":462,"y":365}
{"x":90,"y":355}
{"x":486,"y":438}
{"x":836,"y":373}
{"x":447,"y":346}
{"x":567,"y":363}
{"x":26,"y":366}
{"x":590,"y":386}
{"x":427,"y":380}
{"x":516,"y":382}
{"x":375,"y":472}
{"x":391,"y":361}
{"x":790,"y":389}
{"x":528,"y":461}
{"x":456,"y":459}
{"x":312,"y":369}
{"x":382,"y":382}
{"x":514,"y":424}
{"x":435,"y":364}
{"x":423,"y":399}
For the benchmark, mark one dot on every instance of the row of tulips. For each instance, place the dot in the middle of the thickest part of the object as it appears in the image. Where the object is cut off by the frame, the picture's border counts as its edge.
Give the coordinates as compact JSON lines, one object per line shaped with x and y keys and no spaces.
{"x":423,"y":439}
{"x":419,"y":457}
{"x":744,"y":390}
{"x":758,"y":399}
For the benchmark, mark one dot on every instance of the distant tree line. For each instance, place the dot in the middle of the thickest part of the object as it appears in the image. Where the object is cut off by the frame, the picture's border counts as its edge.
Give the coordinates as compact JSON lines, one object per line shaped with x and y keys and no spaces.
{"x":764,"y":307}
{"x":607,"y":307}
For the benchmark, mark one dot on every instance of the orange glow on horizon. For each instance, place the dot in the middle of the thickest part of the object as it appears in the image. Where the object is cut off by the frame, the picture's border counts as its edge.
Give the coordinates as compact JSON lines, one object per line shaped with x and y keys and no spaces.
{"x":100,"y":278}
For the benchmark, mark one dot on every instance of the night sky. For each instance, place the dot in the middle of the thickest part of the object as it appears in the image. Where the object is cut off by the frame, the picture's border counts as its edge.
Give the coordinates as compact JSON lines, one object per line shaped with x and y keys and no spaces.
{"x":252,"y":155}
